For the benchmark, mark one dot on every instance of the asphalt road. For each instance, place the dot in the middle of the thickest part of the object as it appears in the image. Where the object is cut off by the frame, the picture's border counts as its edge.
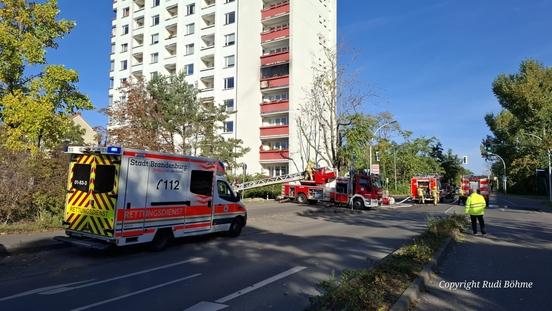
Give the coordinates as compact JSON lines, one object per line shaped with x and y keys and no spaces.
{"x":517,"y":248}
{"x":277,"y":262}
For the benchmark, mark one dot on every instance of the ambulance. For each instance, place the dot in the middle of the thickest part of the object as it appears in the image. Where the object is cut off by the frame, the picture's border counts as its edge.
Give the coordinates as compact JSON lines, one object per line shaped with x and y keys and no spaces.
{"x":119,"y":196}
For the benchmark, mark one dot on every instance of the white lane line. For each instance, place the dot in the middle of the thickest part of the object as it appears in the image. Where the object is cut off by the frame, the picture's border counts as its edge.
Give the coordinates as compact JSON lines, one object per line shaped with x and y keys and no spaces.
{"x":207,"y":306}
{"x":260,"y":284}
{"x":42,"y":289}
{"x":66,"y":289}
{"x":99,"y":303}
{"x":449,"y":209}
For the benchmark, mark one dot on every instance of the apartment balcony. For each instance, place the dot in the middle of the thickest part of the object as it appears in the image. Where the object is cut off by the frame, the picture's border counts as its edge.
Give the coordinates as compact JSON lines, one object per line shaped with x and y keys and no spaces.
{"x":208,"y":6}
{"x":275,"y":33}
{"x":137,"y":74}
{"x":173,"y":12}
{"x":275,"y":59}
{"x":274,"y":131}
{"x":275,"y":10}
{"x":274,"y":155}
{"x":172,"y":30}
{"x":274,"y":107}
{"x":171,"y":68}
{"x":275,"y":82}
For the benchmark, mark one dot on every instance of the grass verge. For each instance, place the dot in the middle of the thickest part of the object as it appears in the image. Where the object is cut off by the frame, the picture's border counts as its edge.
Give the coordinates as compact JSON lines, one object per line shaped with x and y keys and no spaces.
{"x":45,"y":223}
{"x":378,"y":288}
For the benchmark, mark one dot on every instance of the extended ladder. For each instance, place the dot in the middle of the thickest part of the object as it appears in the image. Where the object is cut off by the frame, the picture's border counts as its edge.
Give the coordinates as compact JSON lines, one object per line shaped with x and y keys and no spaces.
{"x":268,"y":181}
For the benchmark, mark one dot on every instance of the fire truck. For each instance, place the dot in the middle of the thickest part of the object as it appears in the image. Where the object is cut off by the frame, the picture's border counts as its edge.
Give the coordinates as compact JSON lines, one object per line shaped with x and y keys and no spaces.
{"x":358,"y":190}
{"x":473,"y":183}
{"x":118,"y":196}
{"x":425,"y":185}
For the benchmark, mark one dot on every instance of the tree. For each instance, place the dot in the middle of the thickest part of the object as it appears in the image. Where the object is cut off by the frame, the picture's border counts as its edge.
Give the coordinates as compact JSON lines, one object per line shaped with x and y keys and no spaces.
{"x":330,"y":103}
{"x":36,"y":100}
{"x":165,"y":114}
{"x":522,"y":129}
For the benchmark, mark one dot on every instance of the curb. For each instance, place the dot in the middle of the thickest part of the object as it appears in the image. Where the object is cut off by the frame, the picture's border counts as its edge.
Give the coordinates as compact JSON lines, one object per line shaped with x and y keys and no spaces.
{"x":412,"y":293}
{"x":30,"y":247}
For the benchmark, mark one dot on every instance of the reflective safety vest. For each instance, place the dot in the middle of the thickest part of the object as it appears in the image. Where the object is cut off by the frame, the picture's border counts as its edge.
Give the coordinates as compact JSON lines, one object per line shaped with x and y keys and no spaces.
{"x":475,"y":205}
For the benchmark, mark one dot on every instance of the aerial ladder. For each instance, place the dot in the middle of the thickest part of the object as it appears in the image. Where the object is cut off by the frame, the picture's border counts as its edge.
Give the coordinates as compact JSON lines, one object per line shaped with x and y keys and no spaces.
{"x":268,"y":181}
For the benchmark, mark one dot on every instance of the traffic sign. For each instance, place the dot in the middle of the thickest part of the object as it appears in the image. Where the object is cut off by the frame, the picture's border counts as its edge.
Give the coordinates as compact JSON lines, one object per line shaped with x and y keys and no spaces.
{"x":375,"y":169}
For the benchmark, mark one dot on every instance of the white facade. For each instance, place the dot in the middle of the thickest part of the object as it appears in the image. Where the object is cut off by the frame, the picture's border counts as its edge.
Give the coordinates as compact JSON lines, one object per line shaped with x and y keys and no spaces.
{"x":253,"y":55}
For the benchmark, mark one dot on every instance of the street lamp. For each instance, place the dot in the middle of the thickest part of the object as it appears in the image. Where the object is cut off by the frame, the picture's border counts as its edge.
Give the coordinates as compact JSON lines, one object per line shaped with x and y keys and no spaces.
{"x":373,"y":135}
{"x":549,"y":166}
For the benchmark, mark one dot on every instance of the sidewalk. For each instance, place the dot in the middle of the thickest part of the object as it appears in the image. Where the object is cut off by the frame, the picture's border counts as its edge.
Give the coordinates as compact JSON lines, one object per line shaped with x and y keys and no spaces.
{"x":517,"y":248}
{"x":29,"y":242}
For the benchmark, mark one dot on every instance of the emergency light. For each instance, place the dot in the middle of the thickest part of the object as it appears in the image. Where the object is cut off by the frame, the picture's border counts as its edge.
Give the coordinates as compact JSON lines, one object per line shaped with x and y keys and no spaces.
{"x":114,"y":150}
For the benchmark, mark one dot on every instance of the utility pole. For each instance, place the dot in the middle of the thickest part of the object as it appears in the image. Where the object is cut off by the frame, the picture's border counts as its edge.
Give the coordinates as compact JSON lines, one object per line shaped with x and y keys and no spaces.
{"x":395,"y":166}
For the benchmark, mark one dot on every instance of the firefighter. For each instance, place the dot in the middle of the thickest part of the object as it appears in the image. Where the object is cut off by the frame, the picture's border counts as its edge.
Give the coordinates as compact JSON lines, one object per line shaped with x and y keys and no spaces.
{"x":475,"y":207}
{"x":308,"y":170}
{"x":421,"y":199}
{"x":435,"y":195}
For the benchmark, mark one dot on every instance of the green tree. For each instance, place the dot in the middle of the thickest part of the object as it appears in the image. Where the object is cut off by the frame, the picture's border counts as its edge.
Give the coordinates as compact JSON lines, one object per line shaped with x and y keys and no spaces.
{"x":522,"y":129}
{"x":36,"y":99}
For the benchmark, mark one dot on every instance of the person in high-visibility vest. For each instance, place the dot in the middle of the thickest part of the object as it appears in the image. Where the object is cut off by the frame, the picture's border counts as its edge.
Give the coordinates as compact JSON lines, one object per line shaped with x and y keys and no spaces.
{"x":475,"y":207}
{"x":420,"y":194}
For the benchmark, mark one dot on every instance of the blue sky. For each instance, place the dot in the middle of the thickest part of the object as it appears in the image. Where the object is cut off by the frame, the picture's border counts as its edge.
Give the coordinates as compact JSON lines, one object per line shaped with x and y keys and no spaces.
{"x":429,"y":62}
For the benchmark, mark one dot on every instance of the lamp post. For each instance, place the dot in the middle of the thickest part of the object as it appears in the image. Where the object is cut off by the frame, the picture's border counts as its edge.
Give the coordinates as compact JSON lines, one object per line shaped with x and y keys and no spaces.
{"x":549,"y":164}
{"x":373,"y":135}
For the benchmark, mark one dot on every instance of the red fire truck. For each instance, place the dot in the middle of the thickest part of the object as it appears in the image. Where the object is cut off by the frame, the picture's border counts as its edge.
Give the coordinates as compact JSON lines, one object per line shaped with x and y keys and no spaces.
{"x":358,"y":190}
{"x":473,"y":183}
{"x":422,"y":187}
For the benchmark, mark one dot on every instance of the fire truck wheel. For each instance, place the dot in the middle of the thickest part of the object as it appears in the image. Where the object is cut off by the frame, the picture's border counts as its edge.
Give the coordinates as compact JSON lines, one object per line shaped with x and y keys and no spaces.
{"x":161,"y":240}
{"x":358,"y":203}
{"x":301,"y":198}
{"x":236,"y":227}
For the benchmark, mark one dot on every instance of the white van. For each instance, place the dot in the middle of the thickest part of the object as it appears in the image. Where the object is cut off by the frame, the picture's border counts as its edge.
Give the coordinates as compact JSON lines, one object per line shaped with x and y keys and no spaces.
{"x":119,"y":196}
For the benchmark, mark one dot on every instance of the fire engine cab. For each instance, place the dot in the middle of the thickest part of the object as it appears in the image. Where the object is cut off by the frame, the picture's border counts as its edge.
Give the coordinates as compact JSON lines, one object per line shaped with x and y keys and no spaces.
{"x":118,"y":196}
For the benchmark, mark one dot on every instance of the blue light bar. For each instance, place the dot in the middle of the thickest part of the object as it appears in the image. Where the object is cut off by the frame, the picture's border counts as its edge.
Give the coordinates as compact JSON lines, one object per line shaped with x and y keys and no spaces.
{"x":114,"y":150}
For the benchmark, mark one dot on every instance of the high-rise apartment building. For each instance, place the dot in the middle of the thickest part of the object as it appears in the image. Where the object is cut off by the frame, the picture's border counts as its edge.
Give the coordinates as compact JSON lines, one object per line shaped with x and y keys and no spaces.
{"x":254,"y":56}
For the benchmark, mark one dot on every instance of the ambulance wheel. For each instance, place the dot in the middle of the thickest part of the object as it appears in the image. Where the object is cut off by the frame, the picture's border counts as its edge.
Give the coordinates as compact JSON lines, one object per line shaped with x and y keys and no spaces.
{"x":301,"y":198}
{"x":358,"y":204}
{"x":235,"y":228}
{"x":161,"y":240}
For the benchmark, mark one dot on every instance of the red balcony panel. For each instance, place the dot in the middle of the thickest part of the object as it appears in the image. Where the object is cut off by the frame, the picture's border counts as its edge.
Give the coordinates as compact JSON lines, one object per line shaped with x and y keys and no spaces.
{"x":275,"y":82}
{"x":275,"y":130}
{"x":274,"y":155}
{"x":275,"y":58}
{"x":275,"y":106}
{"x":273,"y":35}
{"x":275,"y":11}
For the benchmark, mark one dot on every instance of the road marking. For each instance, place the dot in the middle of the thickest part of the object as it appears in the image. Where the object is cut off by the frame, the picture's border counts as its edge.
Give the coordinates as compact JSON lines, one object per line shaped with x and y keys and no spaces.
{"x":207,"y":306}
{"x":448,"y":210}
{"x":42,"y":289}
{"x":66,"y":289}
{"x":99,"y":303}
{"x":260,"y":284}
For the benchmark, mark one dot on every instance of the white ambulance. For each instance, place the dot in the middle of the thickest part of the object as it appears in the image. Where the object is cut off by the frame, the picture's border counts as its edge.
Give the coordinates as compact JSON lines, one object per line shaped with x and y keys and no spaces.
{"x":119,"y":196}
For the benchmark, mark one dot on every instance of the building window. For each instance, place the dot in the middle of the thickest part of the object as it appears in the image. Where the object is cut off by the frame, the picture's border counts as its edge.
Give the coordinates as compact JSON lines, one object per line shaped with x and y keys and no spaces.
{"x":229,"y":39}
{"x":125,"y":29}
{"x":112,"y":48}
{"x":190,"y":9}
{"x":229,"y":61}
{"x":154,"y":58}
{"x":189,"y":49}
{"x":275,"y":97}
{"x":154,"y":74}
{"x":230,"y":18}
{"x":126,"y":12}
{"x":277,"y":121}
{"x":155,"y":39}
{"x":124,"y":47}
{"x":112,"y":67}
{"x":155,"y":20}
{"x":124,"y":64}
{"x":228,"y":83}
{"x":229,"y":103}
{"x":189,"y":69}
{"x":155,"y":3}
{"x":111,"y":82}
{"x":229,"y":1}
{"x":123,"y":82}
{"x":278,"y":170}
{"x":190,"y":29}
{"x":228,"y":126}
